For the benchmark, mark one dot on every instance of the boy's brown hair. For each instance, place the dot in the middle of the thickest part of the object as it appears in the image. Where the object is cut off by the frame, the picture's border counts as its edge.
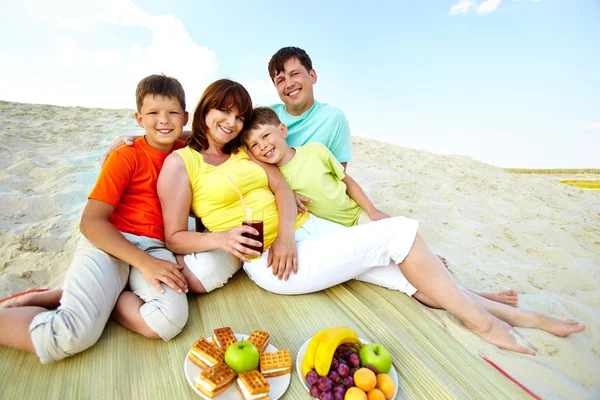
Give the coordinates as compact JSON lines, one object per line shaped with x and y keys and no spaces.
{"x":279,"y":59}
{"x":159,"y":85}
{"x":260,"y":116}
{"x":221,"y":94}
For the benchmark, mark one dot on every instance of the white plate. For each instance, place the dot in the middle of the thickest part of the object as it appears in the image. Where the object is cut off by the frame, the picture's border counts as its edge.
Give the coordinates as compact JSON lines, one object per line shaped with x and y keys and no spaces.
{"x":300,"y":358}
{"x":279,"y":384}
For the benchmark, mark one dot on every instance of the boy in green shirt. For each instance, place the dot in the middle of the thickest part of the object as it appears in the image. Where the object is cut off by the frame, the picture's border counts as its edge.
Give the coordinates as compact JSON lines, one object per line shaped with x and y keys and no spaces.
{"x":312,"y":171}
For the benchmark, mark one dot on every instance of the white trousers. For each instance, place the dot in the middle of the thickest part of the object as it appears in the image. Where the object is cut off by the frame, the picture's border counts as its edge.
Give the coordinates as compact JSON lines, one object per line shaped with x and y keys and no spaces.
{"x":329,"y":254}
{"x":92,"y":286}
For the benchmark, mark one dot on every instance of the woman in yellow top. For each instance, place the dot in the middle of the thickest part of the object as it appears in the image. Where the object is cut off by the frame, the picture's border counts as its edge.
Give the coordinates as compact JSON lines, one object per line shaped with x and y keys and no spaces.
{"x":320,"y":253}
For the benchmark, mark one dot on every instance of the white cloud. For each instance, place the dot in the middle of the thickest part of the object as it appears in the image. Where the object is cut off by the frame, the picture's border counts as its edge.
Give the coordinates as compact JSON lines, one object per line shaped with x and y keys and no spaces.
{"x":463,"y":7}
{"x":595,"y":125}
{"x":466,"y":6}
{"x":75,"y":69}
{"x":488,"y":6}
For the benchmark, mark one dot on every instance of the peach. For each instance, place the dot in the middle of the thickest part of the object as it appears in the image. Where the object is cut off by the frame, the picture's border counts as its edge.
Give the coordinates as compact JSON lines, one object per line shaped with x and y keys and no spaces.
{"x":365,"y":379}
{"x":386,"y":384}
{"x":355,"y":393}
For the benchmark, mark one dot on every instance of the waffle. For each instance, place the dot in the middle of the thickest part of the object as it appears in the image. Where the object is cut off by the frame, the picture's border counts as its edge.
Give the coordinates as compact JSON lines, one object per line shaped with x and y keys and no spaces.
{"x":276,"y":364}
{"x":215,"y":380}
{"x":252,"y":385}
{"x":224,"y":337}
{"x":259,"y":339}
{"x":205,"y":354}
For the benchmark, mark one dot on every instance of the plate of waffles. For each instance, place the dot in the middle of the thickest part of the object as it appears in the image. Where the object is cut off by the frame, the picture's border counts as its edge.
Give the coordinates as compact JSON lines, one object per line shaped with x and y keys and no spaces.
{"x":300,"y":359}
{"x":209,"y":376}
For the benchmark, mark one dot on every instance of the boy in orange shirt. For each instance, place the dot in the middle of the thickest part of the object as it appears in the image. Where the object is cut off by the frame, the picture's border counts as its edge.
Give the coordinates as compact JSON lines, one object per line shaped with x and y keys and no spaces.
{"x":122,"y":227}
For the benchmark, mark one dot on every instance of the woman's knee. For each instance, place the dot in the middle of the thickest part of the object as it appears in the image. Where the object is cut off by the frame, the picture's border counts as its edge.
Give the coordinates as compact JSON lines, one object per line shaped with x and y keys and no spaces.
{"x":166,"y":315}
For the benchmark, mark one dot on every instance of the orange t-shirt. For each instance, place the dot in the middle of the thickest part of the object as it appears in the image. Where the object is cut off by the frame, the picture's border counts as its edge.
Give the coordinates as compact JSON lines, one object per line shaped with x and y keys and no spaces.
{"x":127,"y":182}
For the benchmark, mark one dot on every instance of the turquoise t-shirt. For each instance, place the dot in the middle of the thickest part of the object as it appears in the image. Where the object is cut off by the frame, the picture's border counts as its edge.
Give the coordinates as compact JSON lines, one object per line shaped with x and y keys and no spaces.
{"x":315,"y":173}
{"x":321,"y":123}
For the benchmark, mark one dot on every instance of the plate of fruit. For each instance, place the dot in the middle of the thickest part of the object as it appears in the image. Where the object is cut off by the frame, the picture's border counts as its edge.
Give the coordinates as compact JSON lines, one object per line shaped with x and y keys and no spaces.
{"x":335,"y":364}
{"x":233,"y":366}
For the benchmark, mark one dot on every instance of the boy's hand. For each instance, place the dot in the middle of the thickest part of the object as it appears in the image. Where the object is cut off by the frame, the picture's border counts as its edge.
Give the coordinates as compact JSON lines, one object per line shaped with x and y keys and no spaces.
{"x":300,"y":201}
{"x":115,"y":144}
{"x":157,"y":271}
{"x":376,"y":215}
{"x":283,"y":257}
{"x":233,"y":242}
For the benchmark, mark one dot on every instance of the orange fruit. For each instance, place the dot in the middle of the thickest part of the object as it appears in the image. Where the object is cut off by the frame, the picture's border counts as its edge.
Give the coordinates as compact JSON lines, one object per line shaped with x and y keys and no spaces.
{"x":355,"y":393}
{"x":365,"y":379}
{"x":375,"y":394}
{"x":386,"y":385}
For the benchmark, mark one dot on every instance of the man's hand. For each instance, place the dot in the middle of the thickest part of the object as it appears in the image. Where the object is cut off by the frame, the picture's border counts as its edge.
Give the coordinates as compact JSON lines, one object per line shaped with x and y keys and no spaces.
{"x":376,"y":215}
{"x":283,"y":257}
{"x":233,"y":242}
{"x":300,"y":201}
{"x":115,"y":144}
{"x":159,"y":271}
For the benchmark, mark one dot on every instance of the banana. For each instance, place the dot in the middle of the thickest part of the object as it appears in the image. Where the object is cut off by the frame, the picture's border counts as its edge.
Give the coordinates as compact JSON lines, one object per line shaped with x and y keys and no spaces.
{"x":329,"y":343}
{"x":308,"y":364}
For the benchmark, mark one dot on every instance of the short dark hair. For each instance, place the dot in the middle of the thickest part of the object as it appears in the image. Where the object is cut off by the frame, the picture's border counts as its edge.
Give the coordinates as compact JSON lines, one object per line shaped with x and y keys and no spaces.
{"x":159,"y":85}
{"x":220,"y":94}
{"x":279,"y":59}
{"x":260,"y":116}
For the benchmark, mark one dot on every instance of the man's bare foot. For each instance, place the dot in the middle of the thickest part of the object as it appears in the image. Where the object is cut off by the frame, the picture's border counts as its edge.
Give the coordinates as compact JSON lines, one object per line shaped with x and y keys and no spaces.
{"x":443,"y":260}
{"x":48,"y":299}
{"x":508,"y":297}
{"x":559,"y":327}
{"x":501,"y":334}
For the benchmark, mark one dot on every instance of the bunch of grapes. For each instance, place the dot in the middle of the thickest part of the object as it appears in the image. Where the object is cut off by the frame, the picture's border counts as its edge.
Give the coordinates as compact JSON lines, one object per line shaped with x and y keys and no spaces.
{"x":340,"y":378}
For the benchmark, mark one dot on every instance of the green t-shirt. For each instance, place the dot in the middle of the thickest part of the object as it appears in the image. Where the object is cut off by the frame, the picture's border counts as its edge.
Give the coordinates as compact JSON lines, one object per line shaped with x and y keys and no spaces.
{"x":315,"y":173}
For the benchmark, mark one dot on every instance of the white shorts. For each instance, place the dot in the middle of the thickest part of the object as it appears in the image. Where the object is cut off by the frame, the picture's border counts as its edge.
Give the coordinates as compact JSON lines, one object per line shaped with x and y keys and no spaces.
{"x":212,"y":268}
{"x":329,"y":254}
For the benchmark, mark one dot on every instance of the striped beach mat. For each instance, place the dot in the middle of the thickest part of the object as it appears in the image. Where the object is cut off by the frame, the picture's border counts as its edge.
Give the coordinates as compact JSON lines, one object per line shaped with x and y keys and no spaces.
{"x":430,"y":363}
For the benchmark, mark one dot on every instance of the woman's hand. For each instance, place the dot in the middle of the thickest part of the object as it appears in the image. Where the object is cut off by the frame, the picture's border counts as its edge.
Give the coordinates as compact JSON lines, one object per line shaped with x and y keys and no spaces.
{"x":233,"y":242}
{"x":156,"y":271}
{"x":300,"y":201}
{"x":115,"y":144}
{"x":376,"y":215}
{"x":283,"y":257}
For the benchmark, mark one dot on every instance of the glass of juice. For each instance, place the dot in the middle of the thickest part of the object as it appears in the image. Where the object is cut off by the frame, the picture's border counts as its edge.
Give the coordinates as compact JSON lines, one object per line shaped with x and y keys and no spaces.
{"x":255,"y":220}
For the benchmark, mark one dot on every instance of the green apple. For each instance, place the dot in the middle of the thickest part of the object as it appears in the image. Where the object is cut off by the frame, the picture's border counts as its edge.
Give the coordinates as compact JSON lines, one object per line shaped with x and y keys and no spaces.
{"x":242,"y":356}
{"x":377,"y":356}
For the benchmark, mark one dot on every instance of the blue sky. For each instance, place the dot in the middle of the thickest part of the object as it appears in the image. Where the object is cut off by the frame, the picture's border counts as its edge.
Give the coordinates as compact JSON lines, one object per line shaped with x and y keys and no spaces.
{"x":513,"y":83}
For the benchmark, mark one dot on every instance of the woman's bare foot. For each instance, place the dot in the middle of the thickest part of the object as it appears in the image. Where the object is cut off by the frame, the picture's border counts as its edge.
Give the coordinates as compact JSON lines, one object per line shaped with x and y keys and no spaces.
{"x":501,"y":334}
{"x":508,"y":297}
{"x":48,"y":299}
{"x":559,"y":327}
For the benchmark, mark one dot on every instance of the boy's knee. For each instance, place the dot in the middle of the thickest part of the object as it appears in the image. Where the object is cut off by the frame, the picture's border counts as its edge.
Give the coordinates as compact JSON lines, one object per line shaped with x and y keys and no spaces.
{"x":166,"y":316}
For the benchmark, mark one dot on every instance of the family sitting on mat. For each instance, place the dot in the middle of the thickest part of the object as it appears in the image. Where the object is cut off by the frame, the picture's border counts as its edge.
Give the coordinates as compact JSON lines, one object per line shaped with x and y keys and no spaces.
{"x":326,"y":233}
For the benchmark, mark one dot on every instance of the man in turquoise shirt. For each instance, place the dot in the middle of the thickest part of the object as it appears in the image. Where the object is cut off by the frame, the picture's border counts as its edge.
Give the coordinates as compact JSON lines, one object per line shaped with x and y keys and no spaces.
{"x":307,"y":120}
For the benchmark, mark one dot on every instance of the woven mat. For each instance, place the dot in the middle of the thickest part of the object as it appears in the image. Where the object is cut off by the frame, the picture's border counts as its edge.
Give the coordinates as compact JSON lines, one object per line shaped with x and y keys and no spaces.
{"x":123,"y":365}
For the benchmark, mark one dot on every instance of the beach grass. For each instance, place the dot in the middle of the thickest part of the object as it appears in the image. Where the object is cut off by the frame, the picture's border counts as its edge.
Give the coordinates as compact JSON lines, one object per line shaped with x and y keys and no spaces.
{"x":593,"y":184}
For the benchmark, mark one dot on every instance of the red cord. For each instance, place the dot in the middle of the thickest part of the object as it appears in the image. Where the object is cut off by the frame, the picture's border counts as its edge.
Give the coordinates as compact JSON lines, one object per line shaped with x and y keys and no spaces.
{"x":22,"y":294}
{"x":529,"y":392}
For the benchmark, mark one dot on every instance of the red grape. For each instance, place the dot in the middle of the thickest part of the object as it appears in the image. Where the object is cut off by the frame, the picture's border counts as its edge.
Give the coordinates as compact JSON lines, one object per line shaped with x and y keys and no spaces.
{"x":315,"y":391}
{"x":343,"y":370}
{"x":339,"y":392}
{"x":334,"y":376}
{"x":326,"y":396}
{"x":325,"y":384}
{"x":372,"y":368}
{"x":312,"y":377}
{"x":354,"y":360}
{"x":334,"y":363}
{"x":348,"y":381}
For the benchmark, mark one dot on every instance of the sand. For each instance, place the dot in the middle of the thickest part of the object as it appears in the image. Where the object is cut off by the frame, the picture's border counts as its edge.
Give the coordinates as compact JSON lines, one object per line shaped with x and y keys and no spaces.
{"x":498,"y":230}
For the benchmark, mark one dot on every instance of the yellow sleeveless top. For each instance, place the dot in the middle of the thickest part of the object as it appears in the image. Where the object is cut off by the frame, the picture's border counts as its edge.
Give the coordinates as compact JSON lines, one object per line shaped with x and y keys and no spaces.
{"x":215,"y":200}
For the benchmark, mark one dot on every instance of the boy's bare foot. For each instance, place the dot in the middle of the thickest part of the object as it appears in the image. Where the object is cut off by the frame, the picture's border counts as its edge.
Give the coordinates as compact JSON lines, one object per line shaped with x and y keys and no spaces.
{"x":48,"y":299}
{"x":509,"y":297}
{"x":501,"y":334}
{"x":559,"y":327}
